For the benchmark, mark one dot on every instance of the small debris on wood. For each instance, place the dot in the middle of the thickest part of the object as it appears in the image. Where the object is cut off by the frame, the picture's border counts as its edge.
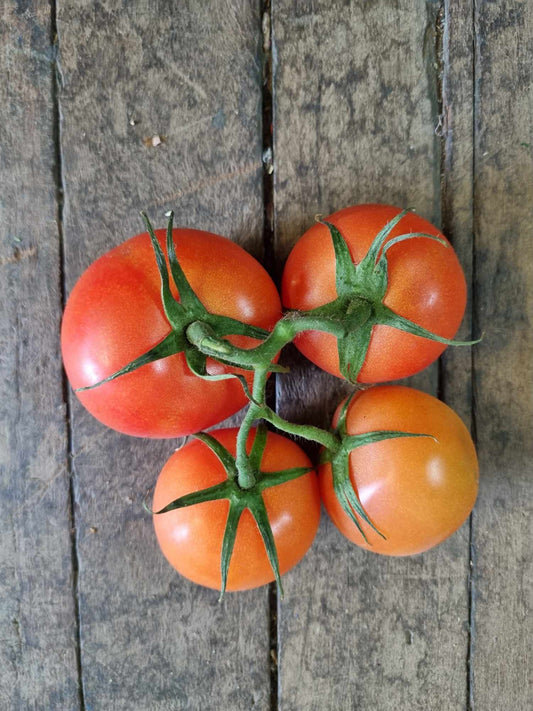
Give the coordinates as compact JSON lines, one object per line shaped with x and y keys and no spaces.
{"x":132,"y":121}
{"x":93,"y":529}
{"x":267,"y":161}
{"x":18,"y":255}
{"x":153,"y":141}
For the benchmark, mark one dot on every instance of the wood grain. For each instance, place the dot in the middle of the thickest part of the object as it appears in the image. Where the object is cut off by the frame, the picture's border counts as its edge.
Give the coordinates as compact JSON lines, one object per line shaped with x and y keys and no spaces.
{"x":457,"y":131}
{"x":503,"y":363}
{"x":358,"y":98}
{"x":189,"y":73}
{"x":37,"y":617}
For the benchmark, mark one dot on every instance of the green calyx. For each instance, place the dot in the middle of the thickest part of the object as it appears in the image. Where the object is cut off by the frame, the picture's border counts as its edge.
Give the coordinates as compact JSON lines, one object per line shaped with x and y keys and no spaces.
{"x":361,"y":289}
{"x":340,"y":466}
{"x":241,"y":498}
{"x":180,"y":315}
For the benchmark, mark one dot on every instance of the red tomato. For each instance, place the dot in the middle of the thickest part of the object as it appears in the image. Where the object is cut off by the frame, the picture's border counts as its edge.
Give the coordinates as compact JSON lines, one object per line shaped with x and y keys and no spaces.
{"x":191,"y":538}
{"x":426,"y":285}
{"x":114,"y":314}
{"x":416,"y":491}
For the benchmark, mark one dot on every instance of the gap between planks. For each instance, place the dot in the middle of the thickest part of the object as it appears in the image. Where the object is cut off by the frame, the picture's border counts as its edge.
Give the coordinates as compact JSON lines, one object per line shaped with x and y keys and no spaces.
{"x":59,"y":197}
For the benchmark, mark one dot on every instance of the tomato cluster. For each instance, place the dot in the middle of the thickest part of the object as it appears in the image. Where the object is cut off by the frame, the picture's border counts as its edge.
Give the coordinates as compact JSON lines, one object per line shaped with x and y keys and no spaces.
{"x":170,"y":346}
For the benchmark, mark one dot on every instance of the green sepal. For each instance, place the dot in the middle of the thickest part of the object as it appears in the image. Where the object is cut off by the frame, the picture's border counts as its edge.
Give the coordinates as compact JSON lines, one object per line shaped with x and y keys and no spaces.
{"x":170,"y":345}
{"x":258,"y":510}
{"x":221,"y":325}
{"x":407,"y":236}
{"x":212,"y":493}
{"x":345,"y":493}
{"x":380,"y":272}
{"x":236,"y":509}
{"x":386,"y":317}
{"x":351,"y":442}
{"x":197,"y":363}
{"x":371,"y":257}
{"x":186,"y":294}
{"x":225,"y":457}
{"x":174,"y":311}
{"x":345,"y":270}
{"x":269,"y":479}
{"x":341,"y":421}
{"x":352,"y":351}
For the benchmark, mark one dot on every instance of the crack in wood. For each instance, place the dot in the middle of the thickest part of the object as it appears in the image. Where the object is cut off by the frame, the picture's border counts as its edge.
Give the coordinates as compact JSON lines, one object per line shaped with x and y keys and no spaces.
{"x":59,"y":194}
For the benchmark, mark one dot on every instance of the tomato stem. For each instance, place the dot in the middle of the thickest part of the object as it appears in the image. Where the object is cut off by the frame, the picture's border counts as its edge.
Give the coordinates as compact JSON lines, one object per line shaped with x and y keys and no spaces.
{"x":246,"y":476}
{"x":204,"y":338}
{"x":327,"y":439}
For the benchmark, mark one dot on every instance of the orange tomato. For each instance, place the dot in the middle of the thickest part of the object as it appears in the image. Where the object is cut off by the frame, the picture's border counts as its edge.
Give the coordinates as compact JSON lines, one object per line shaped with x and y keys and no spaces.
{"x":416,"y":491}
{"x":191,"y":538}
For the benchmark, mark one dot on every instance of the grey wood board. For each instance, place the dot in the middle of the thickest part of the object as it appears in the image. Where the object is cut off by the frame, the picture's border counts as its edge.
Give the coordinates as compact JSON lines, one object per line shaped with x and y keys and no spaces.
{"x":189,"y":73}
{"x":37,"y":615}
{"x":358,"y":96}
{"x":457,"y":131}
{"x":503,"y":362}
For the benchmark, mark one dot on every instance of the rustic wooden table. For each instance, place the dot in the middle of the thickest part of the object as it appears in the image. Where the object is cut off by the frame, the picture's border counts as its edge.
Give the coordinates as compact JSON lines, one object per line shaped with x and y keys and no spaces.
{"x":408,"y":102}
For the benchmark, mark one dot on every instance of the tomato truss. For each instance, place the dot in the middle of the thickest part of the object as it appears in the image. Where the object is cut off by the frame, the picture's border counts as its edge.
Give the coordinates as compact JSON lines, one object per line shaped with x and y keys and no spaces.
{"x":200,"y":334}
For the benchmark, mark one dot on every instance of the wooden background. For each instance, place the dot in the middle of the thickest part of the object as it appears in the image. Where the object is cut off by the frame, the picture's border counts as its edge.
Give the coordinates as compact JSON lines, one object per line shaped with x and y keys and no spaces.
{"x":409,"y":102}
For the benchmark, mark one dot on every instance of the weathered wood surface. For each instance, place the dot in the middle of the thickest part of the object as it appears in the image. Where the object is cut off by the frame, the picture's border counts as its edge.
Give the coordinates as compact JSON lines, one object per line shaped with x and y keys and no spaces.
{"x":413,"y":103}
{"x":503,"y":363}
{"x":355,"y":125}
{"x":37,"y":616}
{"x":191,"y":75}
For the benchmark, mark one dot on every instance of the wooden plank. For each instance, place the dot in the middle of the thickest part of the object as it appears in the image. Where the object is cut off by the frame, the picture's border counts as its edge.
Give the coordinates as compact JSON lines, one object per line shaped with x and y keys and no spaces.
{"x":191,"y":74}
{"x":457,"y":127}
{"x":358,"y":103}
{"x":38,"y":665}
{"x":503,"y":363}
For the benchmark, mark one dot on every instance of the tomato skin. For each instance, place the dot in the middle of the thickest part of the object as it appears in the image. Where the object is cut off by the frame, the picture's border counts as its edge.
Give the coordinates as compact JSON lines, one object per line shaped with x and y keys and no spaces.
{"x":191,"y":538}
{"x":416,"y":491}
{"x":426,"y":285}
{"x":114,"y":314}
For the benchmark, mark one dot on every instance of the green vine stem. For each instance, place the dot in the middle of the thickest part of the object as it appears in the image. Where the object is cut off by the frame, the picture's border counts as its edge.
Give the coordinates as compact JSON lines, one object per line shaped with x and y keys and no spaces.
{"x":203,"y":337}
{"x":257,"y":409}
{"x":246,"y":476}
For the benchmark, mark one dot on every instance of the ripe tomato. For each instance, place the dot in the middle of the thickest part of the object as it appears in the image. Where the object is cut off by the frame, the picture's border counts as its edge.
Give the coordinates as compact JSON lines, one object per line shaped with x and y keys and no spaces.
{"x":426,"y":285}
{"x":416,"y":491}
{"x":114,"y":314}
{"x":191,"y":538}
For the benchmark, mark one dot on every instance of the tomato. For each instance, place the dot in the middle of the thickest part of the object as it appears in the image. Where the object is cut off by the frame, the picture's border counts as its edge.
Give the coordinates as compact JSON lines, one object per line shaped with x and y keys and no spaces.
{"x":425,"y":285}
{"x":191,"y":538}
{"x":115,"y":314}
{"x":416,"y":491}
